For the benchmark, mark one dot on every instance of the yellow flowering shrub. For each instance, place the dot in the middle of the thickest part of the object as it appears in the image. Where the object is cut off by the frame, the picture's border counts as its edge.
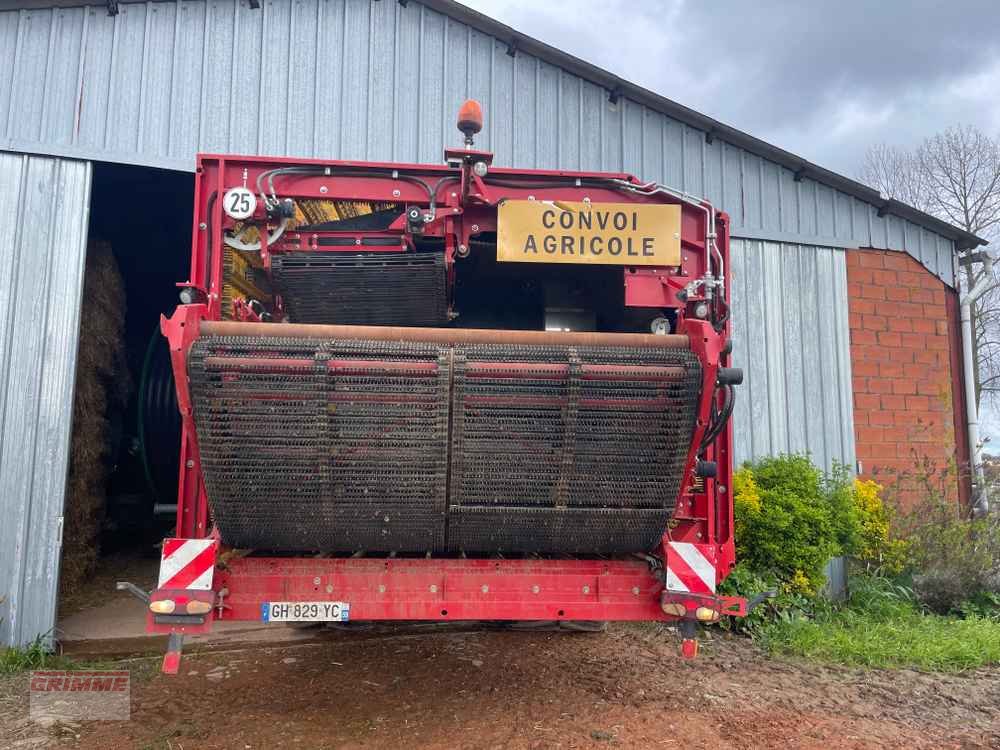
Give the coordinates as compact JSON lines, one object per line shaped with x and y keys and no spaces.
{"x":877,"y":550}
{"x":800,"y":584}
{"x":745,"y":492}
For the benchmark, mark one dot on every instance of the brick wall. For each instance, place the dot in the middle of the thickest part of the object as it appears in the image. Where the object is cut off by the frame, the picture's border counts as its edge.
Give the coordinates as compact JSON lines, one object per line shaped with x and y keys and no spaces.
{"x":905,"y":361}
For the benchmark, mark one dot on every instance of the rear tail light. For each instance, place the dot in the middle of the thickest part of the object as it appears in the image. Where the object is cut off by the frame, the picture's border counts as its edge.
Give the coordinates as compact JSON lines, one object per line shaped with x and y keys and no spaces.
{"x":706,"y":614}
{"x":674,"y":608}
{"x":162,"y":606}
{"x":195,"y":607}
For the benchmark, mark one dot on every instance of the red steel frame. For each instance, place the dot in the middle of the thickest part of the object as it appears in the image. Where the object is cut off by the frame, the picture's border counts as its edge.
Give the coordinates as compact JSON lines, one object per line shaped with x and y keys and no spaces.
{"x":459,"y":589}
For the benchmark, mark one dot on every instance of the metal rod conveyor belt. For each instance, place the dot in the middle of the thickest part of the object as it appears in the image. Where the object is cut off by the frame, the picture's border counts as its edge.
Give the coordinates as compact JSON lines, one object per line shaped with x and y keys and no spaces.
{"x":338,"y":438}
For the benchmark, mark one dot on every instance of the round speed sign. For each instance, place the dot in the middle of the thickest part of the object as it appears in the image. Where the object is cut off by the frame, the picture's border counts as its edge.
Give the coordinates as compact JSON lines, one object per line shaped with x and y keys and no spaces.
{"x":239,"y":203}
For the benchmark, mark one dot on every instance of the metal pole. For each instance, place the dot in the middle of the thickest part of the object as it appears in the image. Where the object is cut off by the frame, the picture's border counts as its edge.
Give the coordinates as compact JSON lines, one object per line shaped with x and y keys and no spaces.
{"x":980,"y":503}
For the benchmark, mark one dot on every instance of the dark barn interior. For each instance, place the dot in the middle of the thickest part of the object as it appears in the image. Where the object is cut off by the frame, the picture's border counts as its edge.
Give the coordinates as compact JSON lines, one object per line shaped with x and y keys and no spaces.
{"x":123,"y":461}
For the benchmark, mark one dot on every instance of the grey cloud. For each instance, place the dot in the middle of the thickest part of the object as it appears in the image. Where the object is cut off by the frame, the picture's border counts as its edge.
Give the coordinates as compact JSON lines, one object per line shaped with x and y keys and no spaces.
{"x":823,"y":79}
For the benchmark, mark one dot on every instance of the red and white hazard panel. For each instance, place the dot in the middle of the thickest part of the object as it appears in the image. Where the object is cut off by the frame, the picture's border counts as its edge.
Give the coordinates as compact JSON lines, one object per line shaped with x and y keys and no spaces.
{"x":690,"y":568}
{"x":187,"y":564}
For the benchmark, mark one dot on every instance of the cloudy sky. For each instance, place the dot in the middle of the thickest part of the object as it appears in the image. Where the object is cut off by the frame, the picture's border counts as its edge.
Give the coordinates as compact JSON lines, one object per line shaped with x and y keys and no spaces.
{"x":821,"y":78}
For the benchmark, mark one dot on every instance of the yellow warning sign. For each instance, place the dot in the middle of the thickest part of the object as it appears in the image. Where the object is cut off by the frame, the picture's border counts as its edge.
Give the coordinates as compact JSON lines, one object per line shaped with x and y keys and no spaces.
{"x":620,"y":234}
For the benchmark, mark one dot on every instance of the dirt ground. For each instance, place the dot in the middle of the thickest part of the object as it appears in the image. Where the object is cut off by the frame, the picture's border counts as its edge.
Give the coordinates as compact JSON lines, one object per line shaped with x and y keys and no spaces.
{"x":428,"y":687}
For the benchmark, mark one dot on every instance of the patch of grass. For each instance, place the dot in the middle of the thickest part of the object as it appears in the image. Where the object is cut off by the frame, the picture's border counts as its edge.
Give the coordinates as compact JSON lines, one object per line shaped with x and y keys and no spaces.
{"x":882,"y":626}
{"x":35,"y":656}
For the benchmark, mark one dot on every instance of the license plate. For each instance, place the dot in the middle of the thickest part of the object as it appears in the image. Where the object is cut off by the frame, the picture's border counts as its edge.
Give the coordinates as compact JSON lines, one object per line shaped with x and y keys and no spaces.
{"x":621,"y":234}
{"x":305,"y":611}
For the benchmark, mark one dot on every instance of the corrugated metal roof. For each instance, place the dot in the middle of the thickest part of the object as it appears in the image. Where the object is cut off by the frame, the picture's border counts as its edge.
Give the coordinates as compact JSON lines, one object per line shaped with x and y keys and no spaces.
{"x":359,"y":79}
{"x":45,"y":211}
{"x":791,"y":336}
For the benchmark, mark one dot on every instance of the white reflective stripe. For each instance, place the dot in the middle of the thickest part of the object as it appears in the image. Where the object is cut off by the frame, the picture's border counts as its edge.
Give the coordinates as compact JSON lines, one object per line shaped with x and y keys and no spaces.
{"x":183,"y":555}
{"x":202,"y":582}
{"x":674,"y":583}
{"x":700,"y":564}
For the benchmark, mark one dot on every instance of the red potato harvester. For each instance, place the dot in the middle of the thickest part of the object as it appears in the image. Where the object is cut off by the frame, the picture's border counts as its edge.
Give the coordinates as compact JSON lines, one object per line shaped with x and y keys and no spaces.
{"x":457,"y":392}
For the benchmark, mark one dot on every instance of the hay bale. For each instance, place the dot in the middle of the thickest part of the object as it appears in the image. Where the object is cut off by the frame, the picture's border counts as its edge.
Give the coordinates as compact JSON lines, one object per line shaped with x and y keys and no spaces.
{"x":101,"y":394}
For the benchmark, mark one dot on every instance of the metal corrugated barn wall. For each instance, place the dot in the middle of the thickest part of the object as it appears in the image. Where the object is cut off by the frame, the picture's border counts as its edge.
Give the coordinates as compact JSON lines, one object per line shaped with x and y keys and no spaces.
{"x":44,"y":214}
{"x":359,"y":79}
{"x":791,"y":336}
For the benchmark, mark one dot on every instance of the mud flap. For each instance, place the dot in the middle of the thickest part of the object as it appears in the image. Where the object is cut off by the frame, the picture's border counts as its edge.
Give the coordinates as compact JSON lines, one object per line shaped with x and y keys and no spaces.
{"x":172,"y":659}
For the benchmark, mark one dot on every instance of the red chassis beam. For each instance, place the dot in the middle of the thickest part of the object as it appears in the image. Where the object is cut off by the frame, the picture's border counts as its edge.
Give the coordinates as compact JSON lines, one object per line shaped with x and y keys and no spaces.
{"x":422,"y":589}
{"x":444,"y":590}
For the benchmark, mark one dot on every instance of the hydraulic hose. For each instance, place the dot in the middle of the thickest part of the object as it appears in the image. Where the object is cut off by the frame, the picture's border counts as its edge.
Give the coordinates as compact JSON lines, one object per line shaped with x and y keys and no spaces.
{"x":269,"y":175}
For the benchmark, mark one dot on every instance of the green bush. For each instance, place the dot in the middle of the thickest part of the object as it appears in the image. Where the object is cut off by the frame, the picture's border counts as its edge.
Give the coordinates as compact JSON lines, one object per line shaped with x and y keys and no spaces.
{"x":785,"y":527}
{"x":791,"y":518}
{"x":838,"y":488}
